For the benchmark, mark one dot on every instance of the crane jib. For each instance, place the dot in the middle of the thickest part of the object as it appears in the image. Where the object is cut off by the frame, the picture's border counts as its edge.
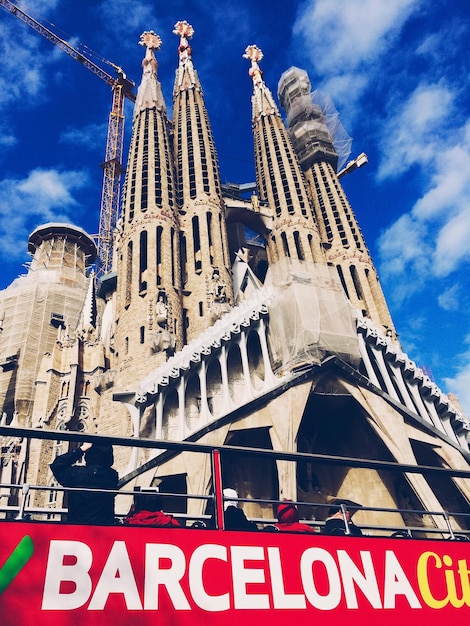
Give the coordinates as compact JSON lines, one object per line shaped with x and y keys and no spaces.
{"x":122,"y":88}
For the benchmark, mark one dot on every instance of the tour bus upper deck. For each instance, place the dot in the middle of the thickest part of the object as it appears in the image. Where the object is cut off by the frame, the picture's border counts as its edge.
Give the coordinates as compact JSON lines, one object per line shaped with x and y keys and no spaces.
{"x":197,"y":573}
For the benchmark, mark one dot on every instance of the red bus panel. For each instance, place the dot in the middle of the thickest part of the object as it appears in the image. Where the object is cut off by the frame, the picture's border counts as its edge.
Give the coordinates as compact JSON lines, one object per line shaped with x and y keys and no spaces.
{"x":65,"y":575}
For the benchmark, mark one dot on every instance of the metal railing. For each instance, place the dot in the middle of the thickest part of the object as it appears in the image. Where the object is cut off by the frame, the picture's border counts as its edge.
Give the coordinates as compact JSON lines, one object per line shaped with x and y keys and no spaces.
{"x":21,"y":510}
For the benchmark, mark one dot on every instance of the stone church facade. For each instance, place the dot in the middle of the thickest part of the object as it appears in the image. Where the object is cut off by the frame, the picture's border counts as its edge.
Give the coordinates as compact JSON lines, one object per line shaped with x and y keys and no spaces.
{"x":198,"y":335}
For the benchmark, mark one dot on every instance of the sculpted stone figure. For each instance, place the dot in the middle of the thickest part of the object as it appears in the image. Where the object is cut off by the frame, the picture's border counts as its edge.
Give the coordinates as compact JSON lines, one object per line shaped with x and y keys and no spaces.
{"x":162,"y":341}
{"x":161,"y":311}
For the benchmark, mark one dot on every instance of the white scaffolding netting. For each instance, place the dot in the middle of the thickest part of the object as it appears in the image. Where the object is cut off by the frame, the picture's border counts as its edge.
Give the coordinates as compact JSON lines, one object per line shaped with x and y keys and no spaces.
{"x":31,"y":309}
{"x":310,"y":318}
{"x":323,"y":120}
{"x":312,"y":114}
{"x":341,"y":140}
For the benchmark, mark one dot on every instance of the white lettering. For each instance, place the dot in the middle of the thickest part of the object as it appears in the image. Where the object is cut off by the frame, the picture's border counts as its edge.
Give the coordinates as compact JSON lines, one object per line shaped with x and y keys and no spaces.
{"x":396,"y":583}
{"x":366,"y":582}
{"x":242,"y":576}
{"x":75,"y":573}
{"x":196,"y":578}
{"x":117,"y":577}
{"x":173,"y":579}
{"x":281,"y":599}
{"x":168,"y":577}
{"x":333,"y":597}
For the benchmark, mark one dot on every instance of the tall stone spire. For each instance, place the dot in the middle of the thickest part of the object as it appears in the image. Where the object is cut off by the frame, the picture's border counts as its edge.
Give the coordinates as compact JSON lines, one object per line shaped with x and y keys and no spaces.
{"x":205,"y":259}
{"x":341,"y":237}
{"x":149,"y":313}
{"x":149,"y":93}
{"x":280,"y":181}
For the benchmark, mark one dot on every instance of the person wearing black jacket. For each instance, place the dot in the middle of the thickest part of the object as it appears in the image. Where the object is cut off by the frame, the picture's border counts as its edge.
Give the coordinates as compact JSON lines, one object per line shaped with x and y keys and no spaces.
{"x":88,"y":507}
{"x":337,"y":520}
{"x":234,"y":518}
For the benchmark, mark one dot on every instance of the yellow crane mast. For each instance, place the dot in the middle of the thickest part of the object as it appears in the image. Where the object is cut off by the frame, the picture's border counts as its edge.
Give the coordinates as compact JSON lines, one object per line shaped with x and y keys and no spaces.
{"x":112,"y":167}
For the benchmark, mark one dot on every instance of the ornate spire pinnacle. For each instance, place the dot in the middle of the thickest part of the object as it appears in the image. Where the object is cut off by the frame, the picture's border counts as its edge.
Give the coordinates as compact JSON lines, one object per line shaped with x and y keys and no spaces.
{"x":254,"y":54}
{"x":263,"y":101}
{"x":150,"y":40}
{"x":149,"y":94}
{"x":186,"y":75}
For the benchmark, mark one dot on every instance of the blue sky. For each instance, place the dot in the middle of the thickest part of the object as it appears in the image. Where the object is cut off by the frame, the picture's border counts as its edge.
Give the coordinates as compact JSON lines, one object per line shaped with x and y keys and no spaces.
{"x":398,"y":73}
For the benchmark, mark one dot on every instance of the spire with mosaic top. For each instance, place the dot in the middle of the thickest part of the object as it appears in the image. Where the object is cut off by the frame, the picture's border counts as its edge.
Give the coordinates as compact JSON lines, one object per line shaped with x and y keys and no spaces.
{"x":263,"y":101}
{"x":149,"y":94}
{"x":186,"y":75}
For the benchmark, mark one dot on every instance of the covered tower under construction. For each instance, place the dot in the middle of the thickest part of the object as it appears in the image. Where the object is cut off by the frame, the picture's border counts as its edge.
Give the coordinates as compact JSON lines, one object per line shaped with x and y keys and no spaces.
{"x":341,"y":237}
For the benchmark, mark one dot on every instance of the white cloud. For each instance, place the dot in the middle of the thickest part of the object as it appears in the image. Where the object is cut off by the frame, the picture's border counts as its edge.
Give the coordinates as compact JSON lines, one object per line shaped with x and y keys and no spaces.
{"x":449,"y":186}
{"x":410,"y":134}
{"x":22,"y":76}
{"x":7,"y":138}
{"x":342,"y":86}
{"x":404,"y":244}
{"x":88,"y":136}
{"x":460,"y":385}
{"x":453,"y":244}
{"x":24,"y":71}
{"x":350,"y":33}
{"x":420,"y":136}
{"x":41,"y":7}
{"x":43,"y":196}
{"x":449,"y":300}
{"x":127,"y":16}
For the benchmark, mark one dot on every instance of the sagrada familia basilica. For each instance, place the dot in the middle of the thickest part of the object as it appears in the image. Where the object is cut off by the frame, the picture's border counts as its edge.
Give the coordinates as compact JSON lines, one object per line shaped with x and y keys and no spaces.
{"x":280,"y":339}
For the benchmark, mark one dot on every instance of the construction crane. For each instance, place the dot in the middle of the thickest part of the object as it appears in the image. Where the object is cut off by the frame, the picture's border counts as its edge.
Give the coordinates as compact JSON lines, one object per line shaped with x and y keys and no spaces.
{"x":112,"y":167}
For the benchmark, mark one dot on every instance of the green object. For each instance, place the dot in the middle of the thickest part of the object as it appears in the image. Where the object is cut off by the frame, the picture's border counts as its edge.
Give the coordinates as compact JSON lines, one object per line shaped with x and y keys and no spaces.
{"x":16,"y":561}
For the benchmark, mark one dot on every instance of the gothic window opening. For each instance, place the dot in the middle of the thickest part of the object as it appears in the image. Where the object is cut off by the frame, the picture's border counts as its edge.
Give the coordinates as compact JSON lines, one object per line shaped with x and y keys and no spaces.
{"x":179,"y":143}
{"x":159,"y":255}
{"x":310,"y":244}
{"x":157,"y":179}
{"x":173,"y":257}
{"x":196,"y":245}
{"x":145,"y":165}
{"x":129,"y":274}
{"x":184,"y":259}
{"x":356,"y":283}
{"x":209,"y":235}
{"x":285,"y":244}
{"x":202,"y":149}
{"x":339,"y":269}
{"x":143,"y":261}
{"x":222,"y":237}
{"x":190,"y":151}
{"x":298,"y":246}
{"x":133,"y":183}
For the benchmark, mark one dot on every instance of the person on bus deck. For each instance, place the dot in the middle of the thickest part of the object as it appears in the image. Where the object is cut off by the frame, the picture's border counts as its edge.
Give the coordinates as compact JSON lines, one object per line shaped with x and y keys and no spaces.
{"x":288,"y":519}
{"x":86,"y":507}
{"x":234,"y":517}
{"x":335,"y":522}
{"x":147,"y":511}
